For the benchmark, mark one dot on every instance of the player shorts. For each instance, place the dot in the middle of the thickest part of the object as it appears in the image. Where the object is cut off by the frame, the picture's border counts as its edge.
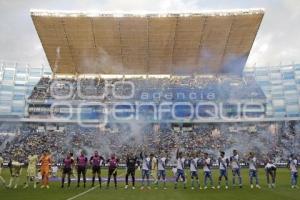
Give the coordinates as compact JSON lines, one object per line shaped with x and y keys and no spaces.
{"x":16,"y":171}
{"x":207,"y":173}
{"x":145,"y":173}
{"x":96,"y":169}
{"x":31,"y":171}
{"x":270,"y":170}
{"x":236,"y":171}
{"x":223,"y":172}
{"x":112,"y":171}
{"x":194,"y":174}
{"x":67,"y":170}
{"x":180,"y":173}
{"x":293,"y":174}
{"x":153,"y":172}
{"x":45,"y":171}
{"x":81,"y":170}
{"x":131,"y":171}
{"x":161,"y":173}
{"x":252,"y":173}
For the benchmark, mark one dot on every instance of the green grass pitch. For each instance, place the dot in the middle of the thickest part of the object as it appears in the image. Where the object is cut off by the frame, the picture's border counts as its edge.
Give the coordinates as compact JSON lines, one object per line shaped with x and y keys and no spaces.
{"x":282,"y":191}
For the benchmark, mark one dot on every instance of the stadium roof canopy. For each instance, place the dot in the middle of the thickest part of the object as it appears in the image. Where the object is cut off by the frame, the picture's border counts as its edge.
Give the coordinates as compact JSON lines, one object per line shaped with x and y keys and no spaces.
{"x":147,"y":43}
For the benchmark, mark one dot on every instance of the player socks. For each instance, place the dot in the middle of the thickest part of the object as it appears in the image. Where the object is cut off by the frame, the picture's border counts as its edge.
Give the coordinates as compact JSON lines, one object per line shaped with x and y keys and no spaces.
{"x":16,"y":182}
{"x":10,"y":182}
{"x":198,"y":184}
{"x":93,"y":181}
{"x":100,"y":181}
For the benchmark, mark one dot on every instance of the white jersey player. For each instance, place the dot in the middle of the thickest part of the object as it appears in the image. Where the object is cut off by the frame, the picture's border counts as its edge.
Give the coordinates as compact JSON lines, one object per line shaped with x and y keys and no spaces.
{"x":207,"y":164}
{"x":236,"y":169}
{"x":253,"y":170}
{"x":146,"y":166}
{"x":270,"y":169}
{"x":193,"y":162}
{"x":293,"y":164}
{"x":180,"y":169}
{"x":223,"y":163}
{"x":161,"y":173}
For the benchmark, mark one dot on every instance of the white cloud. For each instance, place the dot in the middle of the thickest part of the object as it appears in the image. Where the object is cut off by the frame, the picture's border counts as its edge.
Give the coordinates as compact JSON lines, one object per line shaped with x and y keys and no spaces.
{"x":177,"y":5}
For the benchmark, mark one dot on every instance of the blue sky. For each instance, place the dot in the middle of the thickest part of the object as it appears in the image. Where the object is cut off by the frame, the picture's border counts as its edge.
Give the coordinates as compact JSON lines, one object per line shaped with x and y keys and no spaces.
{"x":278,"y":40}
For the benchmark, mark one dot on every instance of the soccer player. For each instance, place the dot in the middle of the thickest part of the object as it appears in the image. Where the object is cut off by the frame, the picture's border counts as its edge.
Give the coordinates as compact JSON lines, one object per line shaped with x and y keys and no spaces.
{"x":252,"y":170}
{"x":73,"y":174}
{"x":31,"y":170}
{"x":193,"y":162}
{"x":45,"y":162}
{"x":96,"y":161}
{"x":131,"y":164}
{"x":180,"y":169}
{"x":161,"y":166}
{"x":113,"y":163}
{"x":293,"y":163}
{"x":223,"y":163}
{"x":1,"y":165}
{"x":207,"y":164}
{"x":153,"y":167}
{"x":270,"y":169}
{"x":68,"y":162}
{"x":82,"y":162}
{"x":236,"y":169}
{"x":145,"y":169}
{"x":15,"y":168}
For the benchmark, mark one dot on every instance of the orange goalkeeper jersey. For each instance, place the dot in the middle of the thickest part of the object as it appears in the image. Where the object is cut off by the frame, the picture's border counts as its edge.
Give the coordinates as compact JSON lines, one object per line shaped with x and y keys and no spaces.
{"x":45,"y":162}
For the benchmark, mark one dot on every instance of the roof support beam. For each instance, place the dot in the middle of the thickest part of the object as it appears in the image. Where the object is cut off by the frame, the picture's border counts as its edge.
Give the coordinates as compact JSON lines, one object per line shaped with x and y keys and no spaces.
{"x":69,"y":47}
{"x":174,"y":43}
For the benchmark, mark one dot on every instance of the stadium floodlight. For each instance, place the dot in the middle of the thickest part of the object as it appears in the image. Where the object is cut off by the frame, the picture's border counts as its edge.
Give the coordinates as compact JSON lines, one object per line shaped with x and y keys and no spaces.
{"x":145,"y":13}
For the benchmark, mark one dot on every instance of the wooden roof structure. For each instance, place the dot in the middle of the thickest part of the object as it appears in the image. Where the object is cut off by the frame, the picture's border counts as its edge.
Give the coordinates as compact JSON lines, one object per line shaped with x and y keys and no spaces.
{"x":147,"y":43}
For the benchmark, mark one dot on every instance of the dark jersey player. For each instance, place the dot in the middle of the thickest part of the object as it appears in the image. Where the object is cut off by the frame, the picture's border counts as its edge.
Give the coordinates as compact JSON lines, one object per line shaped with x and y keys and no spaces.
{"x":113,"y":163}
{"x":96,"y":161}
{"x":82,"y":162}
{"x":131,"y":164}
{"x":67,"y":170}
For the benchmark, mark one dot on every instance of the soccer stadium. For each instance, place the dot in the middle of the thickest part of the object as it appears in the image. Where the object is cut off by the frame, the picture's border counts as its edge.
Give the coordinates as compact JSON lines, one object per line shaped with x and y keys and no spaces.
{"x":165,"y":98}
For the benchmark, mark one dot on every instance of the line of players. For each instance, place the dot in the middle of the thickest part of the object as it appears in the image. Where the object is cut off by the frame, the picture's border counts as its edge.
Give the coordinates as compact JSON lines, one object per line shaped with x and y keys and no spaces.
{"x":151,"y":166}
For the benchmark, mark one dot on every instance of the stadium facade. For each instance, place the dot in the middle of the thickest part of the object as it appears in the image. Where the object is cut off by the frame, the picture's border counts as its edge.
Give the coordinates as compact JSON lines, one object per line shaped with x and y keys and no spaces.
{"x":281,"y":85}
{"x":17,"y":82}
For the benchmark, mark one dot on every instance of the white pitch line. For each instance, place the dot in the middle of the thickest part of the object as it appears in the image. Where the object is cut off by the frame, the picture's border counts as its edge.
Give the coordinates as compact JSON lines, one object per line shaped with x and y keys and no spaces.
{"x":89,"y":190}
{"x":81,"y":194}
